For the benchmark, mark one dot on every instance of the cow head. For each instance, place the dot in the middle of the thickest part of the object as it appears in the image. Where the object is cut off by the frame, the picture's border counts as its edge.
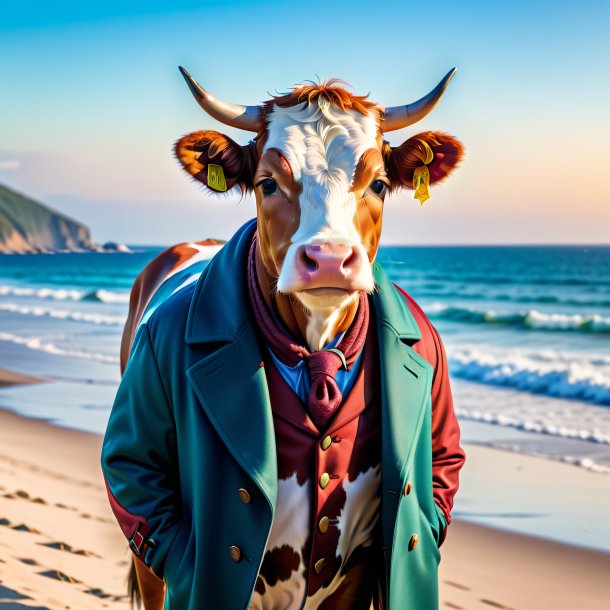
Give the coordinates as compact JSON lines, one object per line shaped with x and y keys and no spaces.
{"x":320,"y":170}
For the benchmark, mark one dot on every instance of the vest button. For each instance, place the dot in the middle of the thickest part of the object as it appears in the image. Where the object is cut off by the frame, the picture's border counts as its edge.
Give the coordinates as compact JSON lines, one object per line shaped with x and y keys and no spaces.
{"x":323,"y":524}
{"x":408,"y":487}
{"x":324,"y":479}
{"x":244,"y":496}
{"x":318,"y":565}
{"x":326,"y":443}
{"x":413,"y":542}
{"x":235,"y":553}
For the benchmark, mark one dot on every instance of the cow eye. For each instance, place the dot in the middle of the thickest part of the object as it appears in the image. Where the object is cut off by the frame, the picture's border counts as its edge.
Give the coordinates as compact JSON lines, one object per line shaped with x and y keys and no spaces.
{"x":269,"y":186}
{"x":378,"y":186}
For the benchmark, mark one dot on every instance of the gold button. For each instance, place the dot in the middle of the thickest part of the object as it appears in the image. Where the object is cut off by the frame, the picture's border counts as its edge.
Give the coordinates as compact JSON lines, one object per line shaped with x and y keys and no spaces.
{"x":235,"y":553}
{"x":408,"y":489}
{"x":413,"y":542}
{"x":326,"y":443}
{"x":244,"y":496}
{"x":324,"y":479}
{"x":323,"y":524}
{"x":318,"y":565}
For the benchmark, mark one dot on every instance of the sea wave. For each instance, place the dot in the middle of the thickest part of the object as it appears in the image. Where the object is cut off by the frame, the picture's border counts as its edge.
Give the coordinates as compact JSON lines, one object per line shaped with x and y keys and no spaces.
{"x":64,"y":294}
{"x":548,"y":372}
{"x":482,"y":295}
{"x":531,"y":319}
{"x":106,"y":296}
{"x":522,"y":279}
{"x":587,"y":462}
{"x":537,"y":425}
{"x":37,"y":343}
{"x":63,"y":314}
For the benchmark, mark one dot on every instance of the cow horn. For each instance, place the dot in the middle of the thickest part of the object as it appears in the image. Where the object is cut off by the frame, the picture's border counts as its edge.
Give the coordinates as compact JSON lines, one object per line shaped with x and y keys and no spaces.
{"x":398,"y":117}
{"x":249,"y":118}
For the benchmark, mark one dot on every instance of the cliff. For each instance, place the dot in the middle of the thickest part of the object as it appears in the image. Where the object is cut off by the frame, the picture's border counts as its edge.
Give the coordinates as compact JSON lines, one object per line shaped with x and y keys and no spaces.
{"x":29,"y":226}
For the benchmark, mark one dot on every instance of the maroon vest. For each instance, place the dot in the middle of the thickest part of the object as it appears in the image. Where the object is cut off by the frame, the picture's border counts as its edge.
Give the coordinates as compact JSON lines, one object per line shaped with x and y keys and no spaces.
{"x":324,"y":545}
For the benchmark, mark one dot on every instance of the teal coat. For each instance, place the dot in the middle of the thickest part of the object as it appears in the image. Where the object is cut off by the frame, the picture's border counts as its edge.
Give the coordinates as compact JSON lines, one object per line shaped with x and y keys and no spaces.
{"x":192,"y":424}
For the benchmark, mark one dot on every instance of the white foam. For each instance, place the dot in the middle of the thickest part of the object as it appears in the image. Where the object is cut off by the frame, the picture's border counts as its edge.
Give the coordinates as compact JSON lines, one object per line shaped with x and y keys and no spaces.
{"x":58,"y":294}
{"x":532,"y":318}
{"x":557,"y":321}
{"x":540,"y":423}
{"x":63,"y":314}
{"x":37,"y":343}
{"x":549,"y":372}
{"x":107,"y":296}
{"x":61,"y":294}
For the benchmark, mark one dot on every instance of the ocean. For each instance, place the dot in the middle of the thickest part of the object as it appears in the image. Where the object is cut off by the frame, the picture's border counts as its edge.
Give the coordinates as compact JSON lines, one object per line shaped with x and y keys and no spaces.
{"x":526,"y":330}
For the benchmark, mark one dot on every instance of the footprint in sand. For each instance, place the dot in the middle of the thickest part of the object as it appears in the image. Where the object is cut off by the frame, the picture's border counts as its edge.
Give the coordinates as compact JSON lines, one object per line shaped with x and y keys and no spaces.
{"x":457,"y":585}
{"x":6,"y":593}
{"x":494,"y":604}
{"x":60,"y":505}
{"x":59,"y":575}
{"x":98,"y":593}
{"x":64,"y":546}
{"x":23,"y":495}
{"x":22,"y":527}
{"x":455,"y":606}
{"x":28,"y":562}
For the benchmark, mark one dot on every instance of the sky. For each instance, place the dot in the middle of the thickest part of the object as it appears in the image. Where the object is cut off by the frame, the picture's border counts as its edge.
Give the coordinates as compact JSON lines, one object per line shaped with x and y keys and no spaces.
{"x":91,"y":102}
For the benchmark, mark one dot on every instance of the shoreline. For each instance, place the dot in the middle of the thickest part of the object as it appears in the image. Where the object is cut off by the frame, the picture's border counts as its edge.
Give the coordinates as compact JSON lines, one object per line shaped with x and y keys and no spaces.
{"x":10,"y":378}
{"x":61,"y":547}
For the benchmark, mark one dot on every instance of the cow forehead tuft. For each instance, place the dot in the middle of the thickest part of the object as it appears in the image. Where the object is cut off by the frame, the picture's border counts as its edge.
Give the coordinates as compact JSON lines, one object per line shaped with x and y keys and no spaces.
{"x":321,"y":137}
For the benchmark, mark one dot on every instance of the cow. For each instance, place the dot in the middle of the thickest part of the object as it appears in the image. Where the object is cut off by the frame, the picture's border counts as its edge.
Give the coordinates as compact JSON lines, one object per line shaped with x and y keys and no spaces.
{"x":320,"y":169}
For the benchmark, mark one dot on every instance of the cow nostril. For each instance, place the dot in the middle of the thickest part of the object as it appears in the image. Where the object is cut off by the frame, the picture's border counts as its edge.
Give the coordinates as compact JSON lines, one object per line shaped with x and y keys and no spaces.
{"x":309,"y":263}
{"x":350,"y":259}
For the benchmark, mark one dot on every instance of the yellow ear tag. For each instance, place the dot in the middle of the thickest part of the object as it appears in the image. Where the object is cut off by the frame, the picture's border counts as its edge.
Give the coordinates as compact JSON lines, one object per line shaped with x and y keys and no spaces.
{"x":421,"y":182}
{"x":216,"y":178}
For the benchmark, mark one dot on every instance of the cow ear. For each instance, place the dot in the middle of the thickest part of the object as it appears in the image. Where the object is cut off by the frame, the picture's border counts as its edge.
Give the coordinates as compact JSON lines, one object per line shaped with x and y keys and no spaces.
{"x":402,"y":161}
{"x":217,"y":161}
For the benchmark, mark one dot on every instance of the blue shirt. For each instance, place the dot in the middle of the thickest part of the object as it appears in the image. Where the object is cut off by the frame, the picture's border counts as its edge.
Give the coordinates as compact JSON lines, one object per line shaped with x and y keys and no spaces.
{"x":297,"y":377}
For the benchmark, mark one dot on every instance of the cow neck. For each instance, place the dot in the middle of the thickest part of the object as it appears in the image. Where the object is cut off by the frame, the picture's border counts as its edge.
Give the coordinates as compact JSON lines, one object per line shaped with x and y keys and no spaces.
{"x":291,"y":311}
{"x":325,"y":396}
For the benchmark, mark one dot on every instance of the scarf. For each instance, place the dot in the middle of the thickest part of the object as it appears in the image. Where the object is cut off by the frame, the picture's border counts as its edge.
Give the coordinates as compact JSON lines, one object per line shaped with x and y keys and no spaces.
{"x":324,"y":396}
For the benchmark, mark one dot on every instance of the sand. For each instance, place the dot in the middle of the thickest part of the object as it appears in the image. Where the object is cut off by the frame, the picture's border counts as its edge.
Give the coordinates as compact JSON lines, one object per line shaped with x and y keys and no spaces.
{"x":61,"y":548}
{"x":12,"y":378}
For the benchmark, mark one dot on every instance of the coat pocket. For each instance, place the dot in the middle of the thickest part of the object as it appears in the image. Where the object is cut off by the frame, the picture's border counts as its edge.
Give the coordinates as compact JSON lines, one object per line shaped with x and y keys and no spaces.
{"x":431,"y":535}
{"x":438,"y":527}
{"x":176,"y":553}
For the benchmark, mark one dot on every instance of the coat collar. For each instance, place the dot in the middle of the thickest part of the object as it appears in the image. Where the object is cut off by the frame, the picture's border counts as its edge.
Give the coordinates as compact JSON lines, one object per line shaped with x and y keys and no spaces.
{"x":391,"y":310}
{"x":222,"y":281}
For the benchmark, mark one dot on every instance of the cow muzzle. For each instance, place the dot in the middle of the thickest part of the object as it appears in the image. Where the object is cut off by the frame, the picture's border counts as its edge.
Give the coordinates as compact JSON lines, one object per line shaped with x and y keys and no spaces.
{"x":325,"y":268}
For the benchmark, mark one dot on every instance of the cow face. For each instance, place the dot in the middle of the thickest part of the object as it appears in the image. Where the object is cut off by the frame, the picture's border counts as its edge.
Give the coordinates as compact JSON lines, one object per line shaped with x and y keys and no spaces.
{"x":320,"y":171}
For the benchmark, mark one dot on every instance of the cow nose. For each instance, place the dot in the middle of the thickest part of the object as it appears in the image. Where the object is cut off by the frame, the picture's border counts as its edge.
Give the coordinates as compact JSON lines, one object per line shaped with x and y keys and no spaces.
{"x":327,"y":263}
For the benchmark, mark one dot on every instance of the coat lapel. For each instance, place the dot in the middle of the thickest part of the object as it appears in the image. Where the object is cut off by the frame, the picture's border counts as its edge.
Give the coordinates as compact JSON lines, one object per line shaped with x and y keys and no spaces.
{"x":229,"y":380}
{"x":405,"y":388}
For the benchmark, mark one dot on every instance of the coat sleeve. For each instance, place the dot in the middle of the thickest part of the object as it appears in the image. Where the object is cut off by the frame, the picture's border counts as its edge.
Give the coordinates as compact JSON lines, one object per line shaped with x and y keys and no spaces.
{"x":139,"y":458}
{"x":448,"y":457}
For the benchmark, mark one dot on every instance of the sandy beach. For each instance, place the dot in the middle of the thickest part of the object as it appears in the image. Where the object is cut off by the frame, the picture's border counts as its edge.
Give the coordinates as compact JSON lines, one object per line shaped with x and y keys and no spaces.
{"x":61,"y":548}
